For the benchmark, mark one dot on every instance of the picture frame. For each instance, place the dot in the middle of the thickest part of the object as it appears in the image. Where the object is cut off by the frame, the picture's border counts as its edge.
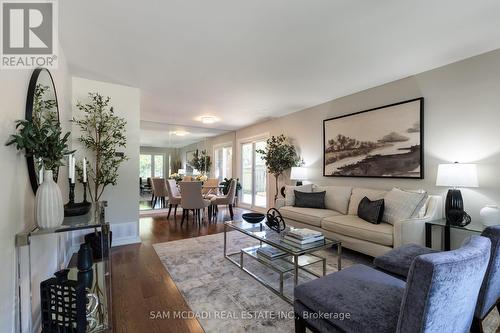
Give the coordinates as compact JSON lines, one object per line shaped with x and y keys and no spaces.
{"x":382,"y":142}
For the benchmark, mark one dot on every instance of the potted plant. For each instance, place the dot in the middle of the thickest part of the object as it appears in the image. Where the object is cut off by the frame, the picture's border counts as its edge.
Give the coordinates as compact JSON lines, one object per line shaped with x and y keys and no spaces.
{"x":201,"y":161}
{"x":42,"y":138}
{"x":279,"y":155}
{"x":102,"y":135}
{"x":225,"y":185}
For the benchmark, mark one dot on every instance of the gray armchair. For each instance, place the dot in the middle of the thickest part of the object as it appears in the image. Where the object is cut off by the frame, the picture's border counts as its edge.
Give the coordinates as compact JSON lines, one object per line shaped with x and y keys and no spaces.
{"x":439,"y":295}
{"x":399,"y":260}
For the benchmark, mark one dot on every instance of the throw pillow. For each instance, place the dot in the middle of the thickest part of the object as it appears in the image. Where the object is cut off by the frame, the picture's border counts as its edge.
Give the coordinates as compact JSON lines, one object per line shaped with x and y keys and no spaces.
{"x":310,"y":200}
{"x":371,"y":211}
{"x":401,"y":205}
{"x":290,"y":196}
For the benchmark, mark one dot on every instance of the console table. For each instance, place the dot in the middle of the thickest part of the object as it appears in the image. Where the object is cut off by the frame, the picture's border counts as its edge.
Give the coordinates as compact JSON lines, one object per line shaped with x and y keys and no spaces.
{"x":447,"y":231}
{"x":26,"y":288}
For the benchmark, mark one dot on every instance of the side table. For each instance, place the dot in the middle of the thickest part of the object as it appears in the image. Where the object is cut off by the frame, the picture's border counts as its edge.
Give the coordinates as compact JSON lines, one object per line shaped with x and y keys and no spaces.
{"x":447,"y":231}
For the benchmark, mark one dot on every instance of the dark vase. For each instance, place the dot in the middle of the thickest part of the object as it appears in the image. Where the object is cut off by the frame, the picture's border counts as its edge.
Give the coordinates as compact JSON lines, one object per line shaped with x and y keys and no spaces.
{"x":95,"y":239}
{"x":85,"y":260}
{"x":86,"y":278}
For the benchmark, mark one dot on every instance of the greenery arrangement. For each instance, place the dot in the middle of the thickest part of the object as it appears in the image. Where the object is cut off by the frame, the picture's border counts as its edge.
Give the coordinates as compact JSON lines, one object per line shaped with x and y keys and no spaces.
{"x":41,"y":137}
{"x":176,"y":176}
{"x":279,"y":155}
{"x":102,"y":133}
{"x":201,"y":161}
{"x":225,"y":185}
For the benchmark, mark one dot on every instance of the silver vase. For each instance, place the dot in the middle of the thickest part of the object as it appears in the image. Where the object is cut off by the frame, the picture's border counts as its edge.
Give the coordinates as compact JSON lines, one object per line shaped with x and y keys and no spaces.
{"x":49,"y":207}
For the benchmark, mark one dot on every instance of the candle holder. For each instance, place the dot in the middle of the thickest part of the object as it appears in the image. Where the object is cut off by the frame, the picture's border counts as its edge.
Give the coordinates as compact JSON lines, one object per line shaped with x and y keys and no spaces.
{"x":76,"y":209}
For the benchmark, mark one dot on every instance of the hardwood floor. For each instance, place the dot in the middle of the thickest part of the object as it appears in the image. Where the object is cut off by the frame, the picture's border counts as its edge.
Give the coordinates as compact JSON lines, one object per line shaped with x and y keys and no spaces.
{"x":142,"y":287}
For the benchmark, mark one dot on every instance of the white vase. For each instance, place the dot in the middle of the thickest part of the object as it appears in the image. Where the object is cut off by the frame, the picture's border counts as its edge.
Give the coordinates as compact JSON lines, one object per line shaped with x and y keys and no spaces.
{"x":49,"y":207}
{"x":490,"y":215}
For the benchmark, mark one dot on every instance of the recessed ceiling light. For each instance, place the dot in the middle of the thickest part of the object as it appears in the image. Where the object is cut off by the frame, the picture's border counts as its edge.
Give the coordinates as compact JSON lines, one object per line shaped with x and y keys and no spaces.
{"x":208,"y":119}
{"x":180,"y":133}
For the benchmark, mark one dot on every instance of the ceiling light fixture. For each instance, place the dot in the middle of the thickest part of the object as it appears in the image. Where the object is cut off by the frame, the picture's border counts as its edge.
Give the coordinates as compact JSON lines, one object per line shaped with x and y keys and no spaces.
{"x":180,"y":133}
{"x":208,"y":119}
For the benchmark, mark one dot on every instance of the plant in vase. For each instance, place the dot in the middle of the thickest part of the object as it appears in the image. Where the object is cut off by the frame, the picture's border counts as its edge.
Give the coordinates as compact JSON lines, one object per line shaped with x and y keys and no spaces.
{"x":279,"y":155}
{"x":102,"y":134}
{"x":201,"y":161}
{"x":177,"y":177}
{"x":42,"y":138}
{"x":201,"y":178}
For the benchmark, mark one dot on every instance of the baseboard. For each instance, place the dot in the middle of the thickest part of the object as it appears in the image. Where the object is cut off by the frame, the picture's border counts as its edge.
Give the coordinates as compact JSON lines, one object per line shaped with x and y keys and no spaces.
{"x":126,"y":241}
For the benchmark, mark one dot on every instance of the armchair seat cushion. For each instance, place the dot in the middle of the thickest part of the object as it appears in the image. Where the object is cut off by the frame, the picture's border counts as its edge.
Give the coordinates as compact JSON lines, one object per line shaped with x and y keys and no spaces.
{"x":398,"y":260}
{"x":372,"y":298}
{"x":353,"y":226}
{"x":311,"y":216}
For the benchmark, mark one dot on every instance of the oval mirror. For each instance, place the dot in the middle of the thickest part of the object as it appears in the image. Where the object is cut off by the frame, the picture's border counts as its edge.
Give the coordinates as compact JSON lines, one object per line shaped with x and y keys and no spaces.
{"x":41,"y":105}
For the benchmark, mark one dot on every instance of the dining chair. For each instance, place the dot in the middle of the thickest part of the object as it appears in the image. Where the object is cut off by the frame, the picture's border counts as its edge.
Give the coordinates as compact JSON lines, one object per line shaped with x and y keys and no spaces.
{"x":174,"y":196}
{"x":159,"y":191}
{"x":227,"y":199}
{"x":187,"y":179}
{"x":209,"y":188}
{"x":191,"y":199}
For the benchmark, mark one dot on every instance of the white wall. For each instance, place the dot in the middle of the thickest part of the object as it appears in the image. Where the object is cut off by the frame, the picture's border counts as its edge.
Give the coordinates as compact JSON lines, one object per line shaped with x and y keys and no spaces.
{"x":461,"y":123}
{"x":16,"y":196}
{"x":123,"y":199}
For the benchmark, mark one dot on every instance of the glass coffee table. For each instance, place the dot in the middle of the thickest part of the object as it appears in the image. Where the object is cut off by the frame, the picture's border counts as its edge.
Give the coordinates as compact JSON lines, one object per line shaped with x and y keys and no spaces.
{"x":293,"y":259}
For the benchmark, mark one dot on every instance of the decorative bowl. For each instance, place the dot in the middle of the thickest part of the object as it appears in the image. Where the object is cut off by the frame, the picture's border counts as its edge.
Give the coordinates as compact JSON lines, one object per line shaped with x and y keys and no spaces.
{"x":253,"y":217}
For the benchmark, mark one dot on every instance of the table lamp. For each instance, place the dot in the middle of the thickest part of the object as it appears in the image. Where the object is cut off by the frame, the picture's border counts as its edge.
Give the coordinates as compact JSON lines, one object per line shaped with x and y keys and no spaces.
{"x":456,"y":175}
{"x":181,"y":171}
{"x":299,"y":174}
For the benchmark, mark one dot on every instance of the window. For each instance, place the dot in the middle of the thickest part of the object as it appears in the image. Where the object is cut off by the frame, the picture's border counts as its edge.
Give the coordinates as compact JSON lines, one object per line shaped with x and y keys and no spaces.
{"x":151,"y":165}
{"x":223,"y":162}
{"x":145,"y":166}
{"x":254,"y":174}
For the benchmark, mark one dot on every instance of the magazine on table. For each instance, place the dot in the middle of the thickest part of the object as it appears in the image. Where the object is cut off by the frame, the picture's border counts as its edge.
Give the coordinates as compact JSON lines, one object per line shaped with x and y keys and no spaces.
{"x":270,"y":252}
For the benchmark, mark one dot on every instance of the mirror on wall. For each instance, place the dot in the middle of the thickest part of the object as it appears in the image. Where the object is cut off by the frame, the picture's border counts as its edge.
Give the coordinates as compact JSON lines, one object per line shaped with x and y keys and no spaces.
{"x":41,"y":106}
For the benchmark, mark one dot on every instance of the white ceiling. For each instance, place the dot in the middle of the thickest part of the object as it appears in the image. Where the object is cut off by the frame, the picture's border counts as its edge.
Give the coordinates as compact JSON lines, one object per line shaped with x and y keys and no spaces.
{"x":155,"y":134}
{"x":245,"y":61}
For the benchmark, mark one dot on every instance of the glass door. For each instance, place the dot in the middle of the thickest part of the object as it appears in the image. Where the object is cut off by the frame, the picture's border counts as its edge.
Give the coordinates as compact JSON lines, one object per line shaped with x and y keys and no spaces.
{"x":254,"y":175}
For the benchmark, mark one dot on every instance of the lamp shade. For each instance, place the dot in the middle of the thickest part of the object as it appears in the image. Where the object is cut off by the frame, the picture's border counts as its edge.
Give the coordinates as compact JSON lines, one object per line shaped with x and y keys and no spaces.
{"x":181,"y":171}
{"x":457,"y":175}
{"x":298,"y":173}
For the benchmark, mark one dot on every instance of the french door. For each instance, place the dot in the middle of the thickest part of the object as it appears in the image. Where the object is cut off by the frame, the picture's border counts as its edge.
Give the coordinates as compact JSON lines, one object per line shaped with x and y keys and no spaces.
{"x":254,"y":174}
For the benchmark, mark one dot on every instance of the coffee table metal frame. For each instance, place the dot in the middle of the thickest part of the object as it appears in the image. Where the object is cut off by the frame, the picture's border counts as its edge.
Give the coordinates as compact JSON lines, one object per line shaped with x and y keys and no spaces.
{"x":290,"y":261}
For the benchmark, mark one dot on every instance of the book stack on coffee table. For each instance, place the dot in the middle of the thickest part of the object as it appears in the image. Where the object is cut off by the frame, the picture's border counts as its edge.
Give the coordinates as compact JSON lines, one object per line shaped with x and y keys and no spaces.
{"x":300,"y":237}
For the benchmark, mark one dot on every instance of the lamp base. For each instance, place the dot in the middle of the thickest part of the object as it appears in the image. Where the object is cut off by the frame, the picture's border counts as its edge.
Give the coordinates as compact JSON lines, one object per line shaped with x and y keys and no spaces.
{"x":454,"y":207}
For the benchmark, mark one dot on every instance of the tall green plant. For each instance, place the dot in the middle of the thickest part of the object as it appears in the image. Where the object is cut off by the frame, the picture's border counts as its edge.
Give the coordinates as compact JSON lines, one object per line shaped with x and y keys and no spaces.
{"x":102,"y":134}
{"x":201,"y":161}
{"x":41,"y":137}
{"x":279,"y":155}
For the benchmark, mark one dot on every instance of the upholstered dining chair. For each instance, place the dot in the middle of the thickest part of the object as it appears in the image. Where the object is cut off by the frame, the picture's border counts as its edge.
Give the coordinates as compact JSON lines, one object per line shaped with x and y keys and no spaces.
{"x":191,"y":199}
{"x":174,"y":196}
{"x":398,"y":262}
{"x":227,"y":199}
{"x":159,"y":191}
{"x":439,"y":295}
{"x":187,"y":179}
{"x":209,"y":188}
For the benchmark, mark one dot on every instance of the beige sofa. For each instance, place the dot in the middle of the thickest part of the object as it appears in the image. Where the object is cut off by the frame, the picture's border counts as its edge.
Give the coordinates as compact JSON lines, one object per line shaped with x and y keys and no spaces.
{"x":340,"y":221}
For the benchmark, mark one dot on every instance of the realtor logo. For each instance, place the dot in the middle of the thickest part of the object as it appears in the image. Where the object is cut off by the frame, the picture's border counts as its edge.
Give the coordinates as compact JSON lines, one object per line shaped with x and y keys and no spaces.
{"x":29,"y":34}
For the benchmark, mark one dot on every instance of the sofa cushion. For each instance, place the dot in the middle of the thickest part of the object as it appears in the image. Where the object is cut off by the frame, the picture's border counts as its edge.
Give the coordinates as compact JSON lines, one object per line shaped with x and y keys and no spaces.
{"x":353,"y":226}
{"x":309,"y":200}
{"x":358,"y":193}
{"x":372,"y":299}
{"x":336,"y":198}
{"x":401,"y":205}
{"x":289,"y":194}
{"x":310,"y":216}
{"x":371,"y":211}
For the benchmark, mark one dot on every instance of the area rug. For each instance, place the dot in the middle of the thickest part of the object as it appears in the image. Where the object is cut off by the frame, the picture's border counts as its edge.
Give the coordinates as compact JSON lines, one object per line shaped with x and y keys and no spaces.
{"x":223,"y":297}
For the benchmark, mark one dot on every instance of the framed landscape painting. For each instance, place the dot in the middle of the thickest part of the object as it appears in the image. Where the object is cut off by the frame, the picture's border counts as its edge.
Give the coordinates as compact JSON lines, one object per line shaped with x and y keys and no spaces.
{"x":383,"y":142}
